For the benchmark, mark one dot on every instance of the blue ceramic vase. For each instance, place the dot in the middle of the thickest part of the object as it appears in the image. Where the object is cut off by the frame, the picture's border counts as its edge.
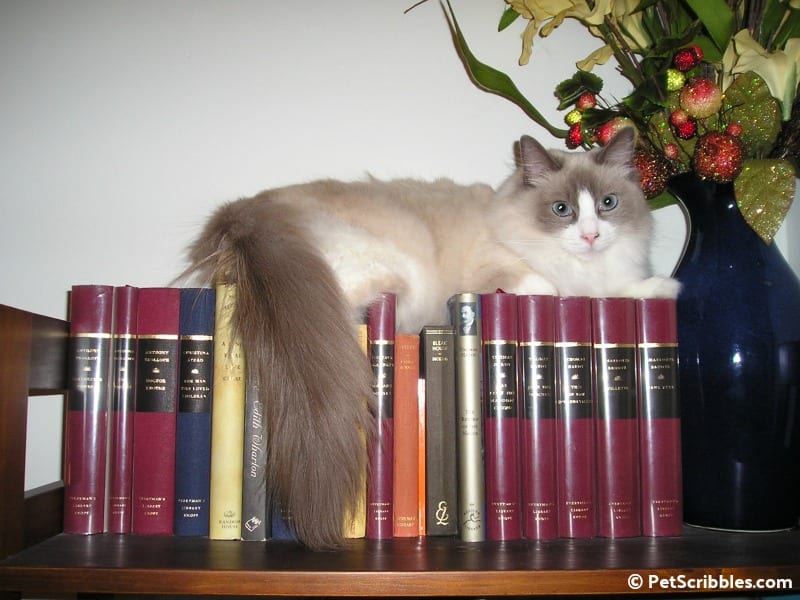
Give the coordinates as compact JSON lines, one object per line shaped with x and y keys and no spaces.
{"x":739,"y":352}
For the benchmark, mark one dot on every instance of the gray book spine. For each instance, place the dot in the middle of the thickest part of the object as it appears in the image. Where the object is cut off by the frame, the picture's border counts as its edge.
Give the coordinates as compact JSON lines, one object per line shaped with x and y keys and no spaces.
{"x":256,"y":517}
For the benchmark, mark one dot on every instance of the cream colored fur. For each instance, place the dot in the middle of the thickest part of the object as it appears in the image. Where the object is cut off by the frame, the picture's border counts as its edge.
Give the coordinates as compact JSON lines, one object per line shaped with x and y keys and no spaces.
{"x":309,"y":258}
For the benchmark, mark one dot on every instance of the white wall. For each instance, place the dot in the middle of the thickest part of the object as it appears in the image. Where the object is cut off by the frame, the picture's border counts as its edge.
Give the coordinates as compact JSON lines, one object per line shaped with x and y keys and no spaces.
{"x":123,"y":124}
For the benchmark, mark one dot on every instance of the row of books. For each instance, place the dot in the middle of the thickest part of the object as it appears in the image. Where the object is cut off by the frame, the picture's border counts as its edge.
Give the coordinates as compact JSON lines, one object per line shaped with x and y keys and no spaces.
{"x":143,"y":454}
{"x":527,"y":417}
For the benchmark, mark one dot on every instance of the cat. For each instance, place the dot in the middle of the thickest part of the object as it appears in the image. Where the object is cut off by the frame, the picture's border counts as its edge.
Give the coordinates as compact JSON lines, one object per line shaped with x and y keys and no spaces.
{"x":308,"y":259}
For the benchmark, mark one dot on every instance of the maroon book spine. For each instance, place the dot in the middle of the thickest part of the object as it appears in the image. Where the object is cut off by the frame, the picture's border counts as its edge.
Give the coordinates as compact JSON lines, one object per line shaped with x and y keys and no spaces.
{"x":536,"y":332}
{"x":91,"y":316}
{"x":381,"y":336}
{"x":501,"y":423}
{"x":659,"y":417}
{"x":123,"y":366}
{"x":575,"y":449}
{"x":155,"y":415}
{"x":618,"y":489}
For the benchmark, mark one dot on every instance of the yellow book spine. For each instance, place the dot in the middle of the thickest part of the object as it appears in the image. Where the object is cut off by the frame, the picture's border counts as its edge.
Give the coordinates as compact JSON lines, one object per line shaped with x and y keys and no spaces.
{"x":356,"y":517}
{"x":227,"y":423}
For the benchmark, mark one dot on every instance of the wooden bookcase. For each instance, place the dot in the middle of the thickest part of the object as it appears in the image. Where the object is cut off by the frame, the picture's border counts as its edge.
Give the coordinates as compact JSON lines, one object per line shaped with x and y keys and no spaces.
{"x":37,"y":560}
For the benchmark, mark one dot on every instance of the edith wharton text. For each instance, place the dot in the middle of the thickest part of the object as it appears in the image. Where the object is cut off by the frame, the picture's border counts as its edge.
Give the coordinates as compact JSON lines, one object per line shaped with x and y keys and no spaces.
{"x":257,"y":441}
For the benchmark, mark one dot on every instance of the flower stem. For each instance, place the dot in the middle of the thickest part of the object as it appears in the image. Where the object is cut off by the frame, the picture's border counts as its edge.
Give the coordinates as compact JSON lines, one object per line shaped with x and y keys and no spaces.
{"x":626,"y":59}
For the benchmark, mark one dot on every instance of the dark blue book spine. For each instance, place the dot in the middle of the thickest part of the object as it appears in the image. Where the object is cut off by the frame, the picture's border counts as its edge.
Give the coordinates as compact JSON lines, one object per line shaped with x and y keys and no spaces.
{"x":193,"y":428}
{"x":281,"y":524}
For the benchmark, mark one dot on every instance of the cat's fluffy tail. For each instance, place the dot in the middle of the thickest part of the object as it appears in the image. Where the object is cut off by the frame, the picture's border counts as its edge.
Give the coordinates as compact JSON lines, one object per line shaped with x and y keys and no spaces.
{"x":300,"y":344}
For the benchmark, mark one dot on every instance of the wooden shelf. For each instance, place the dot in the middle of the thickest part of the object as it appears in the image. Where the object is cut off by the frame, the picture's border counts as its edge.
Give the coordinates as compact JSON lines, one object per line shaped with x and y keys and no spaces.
{"x":113,"y":564}
{"x":36,"y":560}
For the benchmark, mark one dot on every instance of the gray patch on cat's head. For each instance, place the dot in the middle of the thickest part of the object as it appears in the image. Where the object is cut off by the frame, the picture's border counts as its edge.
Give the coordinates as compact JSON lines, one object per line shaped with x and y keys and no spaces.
{"x":552,"y":176}
{"x":537,"y":162}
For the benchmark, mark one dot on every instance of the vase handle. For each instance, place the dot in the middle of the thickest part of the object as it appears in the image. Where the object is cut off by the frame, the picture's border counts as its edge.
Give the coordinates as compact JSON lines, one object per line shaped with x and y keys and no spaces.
{"x":687,"y":222}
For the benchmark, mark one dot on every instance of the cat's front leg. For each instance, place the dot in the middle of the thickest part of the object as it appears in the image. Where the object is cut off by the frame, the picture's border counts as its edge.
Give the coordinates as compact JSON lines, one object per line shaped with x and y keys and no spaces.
{"x":532,"y":283}
{"x":653,"y":287}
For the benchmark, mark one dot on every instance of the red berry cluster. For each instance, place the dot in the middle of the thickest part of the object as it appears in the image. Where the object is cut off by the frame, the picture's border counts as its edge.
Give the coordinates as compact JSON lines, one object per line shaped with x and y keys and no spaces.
{"x":695,"y":121}
{"x":718,"y":155}
{"x":585,"y":102}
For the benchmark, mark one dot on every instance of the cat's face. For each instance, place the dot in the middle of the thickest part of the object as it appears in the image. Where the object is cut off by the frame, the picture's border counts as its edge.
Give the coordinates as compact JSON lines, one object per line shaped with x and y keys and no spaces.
{"x":586,"y":200}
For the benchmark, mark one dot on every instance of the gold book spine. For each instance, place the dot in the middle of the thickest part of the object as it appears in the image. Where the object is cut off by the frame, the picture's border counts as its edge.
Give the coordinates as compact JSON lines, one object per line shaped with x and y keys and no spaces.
{"x":227,"y":423}
{"x":465,"y":311}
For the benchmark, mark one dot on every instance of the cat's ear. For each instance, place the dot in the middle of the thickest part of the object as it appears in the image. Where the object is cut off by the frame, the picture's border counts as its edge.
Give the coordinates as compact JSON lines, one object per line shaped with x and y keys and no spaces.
{"x":534,"y":160}
{"x":619,"y":150}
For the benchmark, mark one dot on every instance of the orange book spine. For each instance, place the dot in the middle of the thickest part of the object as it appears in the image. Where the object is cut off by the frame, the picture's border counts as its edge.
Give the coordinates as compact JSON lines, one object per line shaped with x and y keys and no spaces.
{"x":406,"y":436}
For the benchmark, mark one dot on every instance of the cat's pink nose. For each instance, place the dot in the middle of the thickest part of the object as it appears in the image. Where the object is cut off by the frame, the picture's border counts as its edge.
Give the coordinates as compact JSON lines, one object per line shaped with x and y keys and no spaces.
{"x":590,"y":238}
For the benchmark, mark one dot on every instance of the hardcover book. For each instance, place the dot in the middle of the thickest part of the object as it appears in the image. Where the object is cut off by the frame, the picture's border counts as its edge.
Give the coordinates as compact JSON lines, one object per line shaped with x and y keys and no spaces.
{"x":422,"y":454}
{"x":282,"y":523}
{"x":501,"y":423}
{"x":381,"y":332}
{"x":227,"y":422}
{"x":575,"y":437}
{"x":355,"y":521}
{"x":536,"y":332}
{"x":659,"y":417}
{"x":256,"y":513}
{"x":406,"y":441}
{"x":91,"y":314}
{"x":156,"y":404}
{"x":441,"y":462}
{"x":123,"y":398}
{"x":193,"y":425}
{"x":466,"y":317}
{"x":618,"y":489}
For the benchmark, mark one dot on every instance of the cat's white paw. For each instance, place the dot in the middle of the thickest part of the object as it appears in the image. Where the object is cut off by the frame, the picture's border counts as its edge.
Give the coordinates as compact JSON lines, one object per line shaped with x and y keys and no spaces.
{"x":654,"y":287}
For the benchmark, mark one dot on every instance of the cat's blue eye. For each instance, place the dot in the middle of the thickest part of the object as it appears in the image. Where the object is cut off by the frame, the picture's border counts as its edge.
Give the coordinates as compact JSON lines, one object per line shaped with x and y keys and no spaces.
{"x":608,"y":202}
{"x":562,"y":209}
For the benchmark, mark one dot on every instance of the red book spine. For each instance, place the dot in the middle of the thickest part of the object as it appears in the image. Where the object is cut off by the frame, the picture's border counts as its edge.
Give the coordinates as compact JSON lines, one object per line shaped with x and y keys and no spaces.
{"x":406,"y":436}
{"x":618,"y":490}
{"x":536,"y":333}
{"x":659,"y":417}
{"x":91,"y":315}
{"x":156,"y":404}
{"x":381,"y":337}
{"x":501,"y":425}
{"x":575,"y":449}
{"x":122,"y":405}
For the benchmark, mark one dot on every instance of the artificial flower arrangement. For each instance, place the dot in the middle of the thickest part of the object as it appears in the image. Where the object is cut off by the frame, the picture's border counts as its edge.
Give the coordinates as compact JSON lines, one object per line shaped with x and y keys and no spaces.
{"x":714,"y":90}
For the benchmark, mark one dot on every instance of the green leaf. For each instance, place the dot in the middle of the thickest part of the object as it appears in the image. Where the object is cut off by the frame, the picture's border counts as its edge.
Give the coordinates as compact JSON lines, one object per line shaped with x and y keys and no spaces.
{"x":790,"y":28}
{"x":597,"y":116}
{"x":764,"y":192}
{"x":663,"y":200}
{"x":569,"y":90}
{"x":710,"y":51}
{"x":771,"y":16}
{"x":717,"y":17}
{"x":494,"y":81}
{"x":748,"y":101}
{"x":508,"y":17}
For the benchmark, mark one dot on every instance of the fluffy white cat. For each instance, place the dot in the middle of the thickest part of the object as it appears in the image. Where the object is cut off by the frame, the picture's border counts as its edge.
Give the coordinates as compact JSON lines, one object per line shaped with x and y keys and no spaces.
{"x":308,"y":259}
